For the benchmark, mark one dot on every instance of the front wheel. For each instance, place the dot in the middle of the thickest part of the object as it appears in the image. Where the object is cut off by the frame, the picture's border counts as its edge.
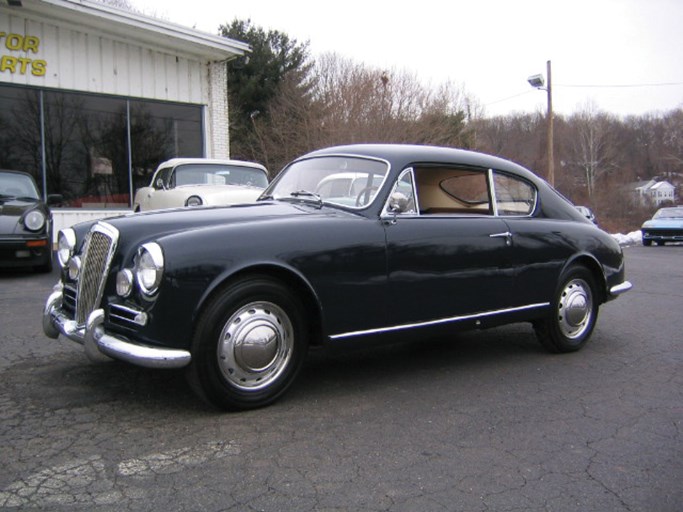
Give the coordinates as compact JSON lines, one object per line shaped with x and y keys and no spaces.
{"x":574,"y":312}
{"x":250,"y":343}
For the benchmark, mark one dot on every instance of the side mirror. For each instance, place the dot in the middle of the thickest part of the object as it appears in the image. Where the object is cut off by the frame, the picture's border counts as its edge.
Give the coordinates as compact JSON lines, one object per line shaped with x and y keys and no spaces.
{"x":398,"y":203}
{"x":159,"y":184}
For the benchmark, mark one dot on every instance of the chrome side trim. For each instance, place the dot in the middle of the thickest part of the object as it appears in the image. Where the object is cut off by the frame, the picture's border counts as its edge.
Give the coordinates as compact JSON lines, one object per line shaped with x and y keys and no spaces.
{"x":440,"y":321}
{"x":620,"y":288}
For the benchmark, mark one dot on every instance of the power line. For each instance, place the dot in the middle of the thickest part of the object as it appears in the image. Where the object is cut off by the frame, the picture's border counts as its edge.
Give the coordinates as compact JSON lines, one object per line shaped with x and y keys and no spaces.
{"x":510,"y":97}
{"x":618,"y":86}
{"x":589,"y":86}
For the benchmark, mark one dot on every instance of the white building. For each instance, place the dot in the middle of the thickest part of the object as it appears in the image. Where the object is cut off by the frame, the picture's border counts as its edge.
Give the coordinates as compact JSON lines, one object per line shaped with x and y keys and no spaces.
{"x":655,"y":192}
{"x":92,"y":98}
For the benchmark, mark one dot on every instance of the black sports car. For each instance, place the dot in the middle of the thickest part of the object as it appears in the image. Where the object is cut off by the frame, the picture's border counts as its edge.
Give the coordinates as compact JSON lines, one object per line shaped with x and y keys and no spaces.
{"x":25,"y":223}
{"x":350,"y":242}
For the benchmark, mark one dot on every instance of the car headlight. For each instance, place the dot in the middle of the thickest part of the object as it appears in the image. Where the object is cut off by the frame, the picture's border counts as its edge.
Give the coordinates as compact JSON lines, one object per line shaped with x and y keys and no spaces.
{"x":34,"y":220}
{"x":74,"y":268}
{"x":124,"y":283}
{"x":194,"y":201}
{"x":66,"y":243}
{"x":149,"y":268}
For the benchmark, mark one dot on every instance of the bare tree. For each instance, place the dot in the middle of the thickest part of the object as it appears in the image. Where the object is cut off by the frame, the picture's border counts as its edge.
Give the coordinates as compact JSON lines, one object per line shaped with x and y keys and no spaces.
{"x":363,"y":104}
{"x":591,"y":149}
{"x":345,"y":102}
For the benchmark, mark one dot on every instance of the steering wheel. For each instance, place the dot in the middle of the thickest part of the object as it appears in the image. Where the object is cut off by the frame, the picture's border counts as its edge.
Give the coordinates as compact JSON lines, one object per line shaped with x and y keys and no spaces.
{"x":364,"y":191}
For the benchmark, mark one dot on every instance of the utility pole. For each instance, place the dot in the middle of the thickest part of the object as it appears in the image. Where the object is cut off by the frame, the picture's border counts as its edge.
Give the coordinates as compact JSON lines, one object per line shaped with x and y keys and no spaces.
{"x":538,"y":82}
{"x":551,"y":158}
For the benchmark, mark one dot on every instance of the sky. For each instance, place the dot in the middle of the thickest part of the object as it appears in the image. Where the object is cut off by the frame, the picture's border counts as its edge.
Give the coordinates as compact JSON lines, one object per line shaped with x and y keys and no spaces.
{"x":620,"y":56}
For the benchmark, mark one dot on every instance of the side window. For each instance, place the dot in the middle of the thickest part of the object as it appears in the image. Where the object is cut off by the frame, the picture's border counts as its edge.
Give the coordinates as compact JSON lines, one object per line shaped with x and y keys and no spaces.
{"x":163,"y":176}
{"x":452,"y":191}
{"x":402,"y":197}
{"x":513,"y":195}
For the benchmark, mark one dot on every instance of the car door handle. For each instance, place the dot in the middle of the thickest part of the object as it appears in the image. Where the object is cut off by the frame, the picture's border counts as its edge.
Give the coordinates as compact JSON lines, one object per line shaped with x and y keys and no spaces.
{"x":507,"y":235}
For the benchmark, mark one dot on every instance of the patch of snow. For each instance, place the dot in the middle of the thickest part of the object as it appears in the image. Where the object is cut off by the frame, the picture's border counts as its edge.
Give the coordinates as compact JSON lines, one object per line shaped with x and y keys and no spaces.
{"x":633,"y":238}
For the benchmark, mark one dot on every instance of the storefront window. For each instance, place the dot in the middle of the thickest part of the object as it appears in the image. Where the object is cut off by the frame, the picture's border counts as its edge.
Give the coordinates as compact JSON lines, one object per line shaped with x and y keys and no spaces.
{"x":20,"y":142}
{"x":85,"y":151}
{"x":160,"y":131}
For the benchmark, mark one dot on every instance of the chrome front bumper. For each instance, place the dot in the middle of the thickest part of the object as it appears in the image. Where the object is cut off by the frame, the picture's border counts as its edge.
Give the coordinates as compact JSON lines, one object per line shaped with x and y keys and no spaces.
{"x":98,"y":343}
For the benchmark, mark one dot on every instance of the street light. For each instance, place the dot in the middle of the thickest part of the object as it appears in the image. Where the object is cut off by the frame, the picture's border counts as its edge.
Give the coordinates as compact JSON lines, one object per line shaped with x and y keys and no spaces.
{"x":538,"y":82}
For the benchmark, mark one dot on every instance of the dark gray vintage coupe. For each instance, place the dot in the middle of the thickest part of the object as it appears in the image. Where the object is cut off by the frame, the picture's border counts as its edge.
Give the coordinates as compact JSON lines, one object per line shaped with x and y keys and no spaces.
{"x":347,"y":243}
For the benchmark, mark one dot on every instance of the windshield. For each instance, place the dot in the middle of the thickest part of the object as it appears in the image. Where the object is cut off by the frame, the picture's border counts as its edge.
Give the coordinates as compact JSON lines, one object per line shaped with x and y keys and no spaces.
{"x":669,"y":213}
{"x":342,"y":180}
{"x":17,"y":185}
{"x":216,"y":174}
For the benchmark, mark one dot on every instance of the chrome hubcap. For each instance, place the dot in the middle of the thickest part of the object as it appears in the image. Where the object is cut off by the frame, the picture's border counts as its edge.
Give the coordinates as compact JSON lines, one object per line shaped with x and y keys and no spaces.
{"x":575,"y":308}
{"x":255,"y":345}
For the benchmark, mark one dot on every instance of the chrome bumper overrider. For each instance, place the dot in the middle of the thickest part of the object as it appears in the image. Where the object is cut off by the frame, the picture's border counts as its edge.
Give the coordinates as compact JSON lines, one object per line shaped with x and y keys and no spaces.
{"x":98,"y":343}
{"x":617,"y":290}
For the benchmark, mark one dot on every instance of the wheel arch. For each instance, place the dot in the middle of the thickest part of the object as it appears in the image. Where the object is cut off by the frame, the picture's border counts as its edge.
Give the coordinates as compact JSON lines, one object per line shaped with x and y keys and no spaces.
{"x":589,"y":262}
{"x":287,"y":276}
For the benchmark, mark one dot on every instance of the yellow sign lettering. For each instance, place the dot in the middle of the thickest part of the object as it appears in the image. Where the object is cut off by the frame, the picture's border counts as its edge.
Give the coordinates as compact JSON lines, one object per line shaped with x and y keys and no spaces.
{"x":19,"y":43}
{"x":8,"y":63}
{"x":14,"y":42}
{"x":21,"y":65}
{"x":31,"y":43}
{"x":38,"y":68}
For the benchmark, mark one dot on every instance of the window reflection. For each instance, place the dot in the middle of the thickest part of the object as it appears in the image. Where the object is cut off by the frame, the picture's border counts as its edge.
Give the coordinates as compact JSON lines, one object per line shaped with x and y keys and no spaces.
{"x":20,"y":147}
{"x":85,"y":151}
{"x":160,"y":131}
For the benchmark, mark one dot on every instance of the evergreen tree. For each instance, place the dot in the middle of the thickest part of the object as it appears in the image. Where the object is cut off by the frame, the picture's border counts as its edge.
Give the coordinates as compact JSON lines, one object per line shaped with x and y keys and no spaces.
{"x":255,"y":81}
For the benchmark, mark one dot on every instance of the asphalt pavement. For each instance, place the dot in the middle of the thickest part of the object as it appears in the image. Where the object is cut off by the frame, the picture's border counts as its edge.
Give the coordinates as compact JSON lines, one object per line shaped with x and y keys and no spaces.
{"x":482,"y":421}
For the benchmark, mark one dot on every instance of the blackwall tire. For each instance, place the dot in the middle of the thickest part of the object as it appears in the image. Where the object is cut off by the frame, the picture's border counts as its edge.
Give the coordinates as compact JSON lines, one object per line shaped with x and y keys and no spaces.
{"x":574,"y":312}
{"x":250,"y":343}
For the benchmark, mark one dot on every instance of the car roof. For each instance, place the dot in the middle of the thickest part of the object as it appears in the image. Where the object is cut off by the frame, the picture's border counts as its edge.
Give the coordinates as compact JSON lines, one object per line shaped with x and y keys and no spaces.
{"x":402,"y":155}
{"x":672,"y":209}
{"x":9,"y":171}
{"x":173,"y":162}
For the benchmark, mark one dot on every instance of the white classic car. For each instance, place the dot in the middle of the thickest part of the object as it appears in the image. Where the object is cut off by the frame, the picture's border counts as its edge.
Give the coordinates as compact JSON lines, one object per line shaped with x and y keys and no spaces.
{"x":201,"y":181}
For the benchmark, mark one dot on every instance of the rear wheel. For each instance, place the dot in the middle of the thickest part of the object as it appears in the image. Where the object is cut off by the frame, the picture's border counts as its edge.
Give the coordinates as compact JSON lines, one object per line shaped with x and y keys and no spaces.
{"x":647,"y":243}
{"x":250,"y":343}
{"x":574,"y":312}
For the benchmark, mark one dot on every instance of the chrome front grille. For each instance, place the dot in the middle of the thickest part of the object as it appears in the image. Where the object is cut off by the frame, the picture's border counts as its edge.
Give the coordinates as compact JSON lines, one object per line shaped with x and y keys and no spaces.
{"x":98,"y":251}
{"x":69,"y":300}
{"x":668,"y":233}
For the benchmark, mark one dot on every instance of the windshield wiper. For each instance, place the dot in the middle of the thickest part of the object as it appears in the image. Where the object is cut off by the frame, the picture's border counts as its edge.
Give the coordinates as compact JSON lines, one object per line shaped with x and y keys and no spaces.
{"x":306,"y":193}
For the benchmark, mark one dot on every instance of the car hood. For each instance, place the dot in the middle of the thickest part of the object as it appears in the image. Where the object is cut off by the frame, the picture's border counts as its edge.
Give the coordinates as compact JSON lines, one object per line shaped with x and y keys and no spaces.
{"x":217,"y":195}
{"x":664,"y":223}
{"x":136,"y":228}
